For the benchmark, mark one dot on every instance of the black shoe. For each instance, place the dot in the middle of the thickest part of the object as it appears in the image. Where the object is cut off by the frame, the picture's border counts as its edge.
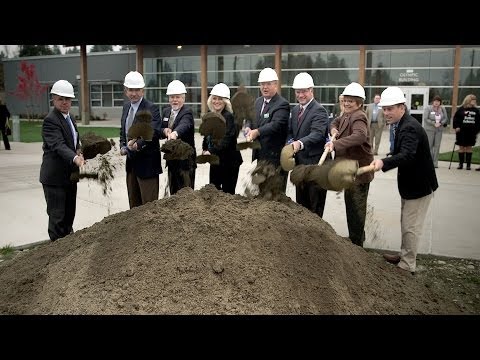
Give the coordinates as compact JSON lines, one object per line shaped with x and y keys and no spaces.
{"x":468,"y":167}
{"x":477,"y":169}
{"x":460,"y":167}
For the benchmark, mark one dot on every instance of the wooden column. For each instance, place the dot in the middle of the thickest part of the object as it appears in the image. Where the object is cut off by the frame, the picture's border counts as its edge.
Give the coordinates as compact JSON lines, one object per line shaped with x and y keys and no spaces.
{"x":278,"y":65}
{"x":139,"y":58}
{"x":456,"y":80}
{"x":361,"y":65}
{"x":203,"y":78}
{"x":85,"y":94}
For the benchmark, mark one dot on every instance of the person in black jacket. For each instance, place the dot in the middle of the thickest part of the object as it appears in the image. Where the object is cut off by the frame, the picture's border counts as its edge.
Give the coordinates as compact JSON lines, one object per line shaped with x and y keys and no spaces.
{"x":4,"y":116}
{"x":416,"y":176}
{"x":272,"y":112}
{"x":307,"y":129}
{"x":224,"y":175}
{"x":466,"y":123}
{"x":61,"y":158}
{"x":178,"y":123}
{"x":144,"y":163}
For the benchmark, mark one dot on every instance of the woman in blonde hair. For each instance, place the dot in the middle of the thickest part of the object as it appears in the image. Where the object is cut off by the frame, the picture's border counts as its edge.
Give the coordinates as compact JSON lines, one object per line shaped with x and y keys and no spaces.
{"x":466,"y":123}
{"x":224,"y":175}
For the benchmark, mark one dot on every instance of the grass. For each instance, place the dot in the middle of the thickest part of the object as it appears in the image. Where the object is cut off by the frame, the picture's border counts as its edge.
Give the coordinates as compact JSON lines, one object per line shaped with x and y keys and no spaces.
{"x":447,"y":155}
{"x":31,"y":131}
{"x":6,"y":250}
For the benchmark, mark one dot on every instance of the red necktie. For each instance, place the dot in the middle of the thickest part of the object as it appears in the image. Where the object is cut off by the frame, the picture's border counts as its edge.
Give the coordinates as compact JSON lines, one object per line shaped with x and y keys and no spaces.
{"x":300,"y":113}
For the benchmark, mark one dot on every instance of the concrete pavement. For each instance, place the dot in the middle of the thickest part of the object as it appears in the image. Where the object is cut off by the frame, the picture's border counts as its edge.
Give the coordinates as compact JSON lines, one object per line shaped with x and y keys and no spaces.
{"x":451,"y":229}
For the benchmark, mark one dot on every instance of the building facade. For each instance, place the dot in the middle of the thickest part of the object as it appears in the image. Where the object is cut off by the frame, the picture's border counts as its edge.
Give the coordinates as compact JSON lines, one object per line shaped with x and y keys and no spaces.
{"x":450,"y":71}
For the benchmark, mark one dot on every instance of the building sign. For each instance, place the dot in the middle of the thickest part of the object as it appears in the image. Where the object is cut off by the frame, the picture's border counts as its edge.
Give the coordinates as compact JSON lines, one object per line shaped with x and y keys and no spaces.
{"x":408,"y":76}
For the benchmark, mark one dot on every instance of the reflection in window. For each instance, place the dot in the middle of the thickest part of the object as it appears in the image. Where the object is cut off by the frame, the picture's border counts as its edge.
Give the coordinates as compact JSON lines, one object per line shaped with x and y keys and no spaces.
{"x":106,"y":95}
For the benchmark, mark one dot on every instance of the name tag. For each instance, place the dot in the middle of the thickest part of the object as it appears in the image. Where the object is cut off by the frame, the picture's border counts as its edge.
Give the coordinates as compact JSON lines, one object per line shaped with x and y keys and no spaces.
{"x":165,"y":119}
{"x":433,"y":113}
{"x":266,"y":116}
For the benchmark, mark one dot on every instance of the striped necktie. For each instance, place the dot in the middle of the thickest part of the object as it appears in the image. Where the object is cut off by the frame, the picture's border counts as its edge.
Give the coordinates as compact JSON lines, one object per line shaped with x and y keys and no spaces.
{"x":72,"y":129}
{"x":300,"y":113}
{"x":129,"y":119}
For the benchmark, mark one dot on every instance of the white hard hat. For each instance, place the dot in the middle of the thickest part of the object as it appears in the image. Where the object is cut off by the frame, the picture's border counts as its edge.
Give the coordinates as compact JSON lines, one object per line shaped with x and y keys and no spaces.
{"x":221,"y":90}
{"x":176,"y":87}
{"x":391,"y":96}
{"x":267,"y":74}
{"x":354,"y":89}
{"x":302,"y":81}
{"x":63,"y":88}
{"x":134,"y":80}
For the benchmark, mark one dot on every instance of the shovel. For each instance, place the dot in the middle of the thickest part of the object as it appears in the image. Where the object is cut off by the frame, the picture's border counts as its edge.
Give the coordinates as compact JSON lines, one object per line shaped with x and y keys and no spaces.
{"x":335,"y":175}
{"x":249,"y":143}
{"x":212,"y":159}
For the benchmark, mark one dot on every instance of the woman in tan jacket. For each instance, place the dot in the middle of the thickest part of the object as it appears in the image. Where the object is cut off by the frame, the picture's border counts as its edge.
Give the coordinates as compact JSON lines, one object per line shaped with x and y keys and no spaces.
{"x":353,"y":142}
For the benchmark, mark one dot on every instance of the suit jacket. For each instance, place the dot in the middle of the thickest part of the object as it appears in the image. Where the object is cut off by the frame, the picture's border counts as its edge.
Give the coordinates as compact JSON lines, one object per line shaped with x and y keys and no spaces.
{"x":147,"y":161}
{"x":380,"y":119}
{"x":352,"y":141}
{"x":226,"y":150}
{"x":273,"y":127}
{"x":411,"y":154}
{"x":311,"y":131}
{"x":184,"y":125}
{"x":59,"y":150}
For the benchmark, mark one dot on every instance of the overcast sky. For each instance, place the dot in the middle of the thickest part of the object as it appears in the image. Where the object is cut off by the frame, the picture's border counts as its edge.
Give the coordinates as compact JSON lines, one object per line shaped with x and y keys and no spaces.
{"x":12,"y":50}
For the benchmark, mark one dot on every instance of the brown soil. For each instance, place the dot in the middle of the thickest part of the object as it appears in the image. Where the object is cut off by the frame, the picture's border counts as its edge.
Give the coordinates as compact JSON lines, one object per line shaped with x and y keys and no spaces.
{"x":207,"y":252}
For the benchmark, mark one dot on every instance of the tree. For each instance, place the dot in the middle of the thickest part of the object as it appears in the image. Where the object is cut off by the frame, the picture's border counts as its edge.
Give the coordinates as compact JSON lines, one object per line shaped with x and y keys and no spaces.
{"x":72,"y":50}
{"x":101,"y":48}
{"x":127,"y":47}
{"x":56,"y":50}
{"x":28,"y":87}
{"x":34,"y":50}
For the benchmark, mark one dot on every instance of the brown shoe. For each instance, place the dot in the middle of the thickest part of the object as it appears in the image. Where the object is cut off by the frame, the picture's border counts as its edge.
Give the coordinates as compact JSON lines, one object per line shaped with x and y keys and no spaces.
{"x":393,"y":259}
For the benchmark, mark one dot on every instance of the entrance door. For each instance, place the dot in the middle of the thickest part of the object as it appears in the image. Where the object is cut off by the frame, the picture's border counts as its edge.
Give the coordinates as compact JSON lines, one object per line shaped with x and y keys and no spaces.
{"x":417,"y":99}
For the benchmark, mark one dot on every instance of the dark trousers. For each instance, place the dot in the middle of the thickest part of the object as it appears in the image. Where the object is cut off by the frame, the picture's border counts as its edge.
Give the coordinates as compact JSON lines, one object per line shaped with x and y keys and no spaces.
{"x":5,"y":137}
{"x":356,"y":209}
{"x":181,"y":174}
{"x":224,"y":177}
{"x":61,"y":206}
{"x":312,"y":197}
{"x":141,"y":191}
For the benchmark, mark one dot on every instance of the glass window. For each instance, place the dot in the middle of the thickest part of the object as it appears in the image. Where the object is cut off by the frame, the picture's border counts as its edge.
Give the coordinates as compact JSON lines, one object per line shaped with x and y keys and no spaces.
{"x":107,"y":99}
{"x":408,"y":58}
{"x":469,"y":77}
{"x":378,"y":58}
{"x":470,"y":57}
{"x":441,"y":77}
{"x":442,"y":58}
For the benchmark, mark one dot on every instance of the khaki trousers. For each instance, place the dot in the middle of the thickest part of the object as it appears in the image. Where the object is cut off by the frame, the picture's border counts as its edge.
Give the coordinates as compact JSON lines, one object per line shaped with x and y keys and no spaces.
{"x":412,"y":219}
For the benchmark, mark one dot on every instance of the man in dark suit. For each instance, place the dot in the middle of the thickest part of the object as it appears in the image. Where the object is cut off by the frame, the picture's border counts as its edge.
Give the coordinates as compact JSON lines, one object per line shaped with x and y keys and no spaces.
{"x":143,"y":163}
{"x":416,"y":176}
{"x":61,"y":157}
{"x":307,"y":129}
{"x":178,"y":123}
{"x":272,"y":112}
{"x":4,"y":116}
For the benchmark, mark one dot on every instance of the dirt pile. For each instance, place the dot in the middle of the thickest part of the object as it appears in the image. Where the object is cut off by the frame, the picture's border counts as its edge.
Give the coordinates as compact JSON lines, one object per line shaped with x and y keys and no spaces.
{"x":207,"y":252}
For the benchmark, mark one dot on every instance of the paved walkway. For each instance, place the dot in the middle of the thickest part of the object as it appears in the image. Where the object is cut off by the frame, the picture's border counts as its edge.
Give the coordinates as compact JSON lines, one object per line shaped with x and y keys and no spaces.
{"x":451,"y":228}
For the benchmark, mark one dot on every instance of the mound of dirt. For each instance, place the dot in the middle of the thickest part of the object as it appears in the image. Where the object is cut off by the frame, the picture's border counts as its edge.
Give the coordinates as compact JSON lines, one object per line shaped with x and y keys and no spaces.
{"x":208,"y":252}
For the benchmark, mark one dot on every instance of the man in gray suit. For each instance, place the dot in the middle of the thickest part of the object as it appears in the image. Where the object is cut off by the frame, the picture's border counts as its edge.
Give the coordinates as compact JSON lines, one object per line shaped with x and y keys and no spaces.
{"x":307,"y":130}
{"x":375,"y":123}
{"x":271,"y":113}
{"x":61,"y":158}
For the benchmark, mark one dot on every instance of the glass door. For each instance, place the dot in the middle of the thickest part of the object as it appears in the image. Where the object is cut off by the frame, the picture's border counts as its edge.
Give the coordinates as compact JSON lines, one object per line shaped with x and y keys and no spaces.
{"x":417,"y":99}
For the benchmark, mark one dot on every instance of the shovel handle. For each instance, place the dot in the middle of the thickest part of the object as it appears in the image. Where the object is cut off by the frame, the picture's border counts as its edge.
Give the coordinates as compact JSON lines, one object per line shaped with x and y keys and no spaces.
{"x":324,"y":156}
{"x":365,"y":169}
{"x":326,"y":151}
